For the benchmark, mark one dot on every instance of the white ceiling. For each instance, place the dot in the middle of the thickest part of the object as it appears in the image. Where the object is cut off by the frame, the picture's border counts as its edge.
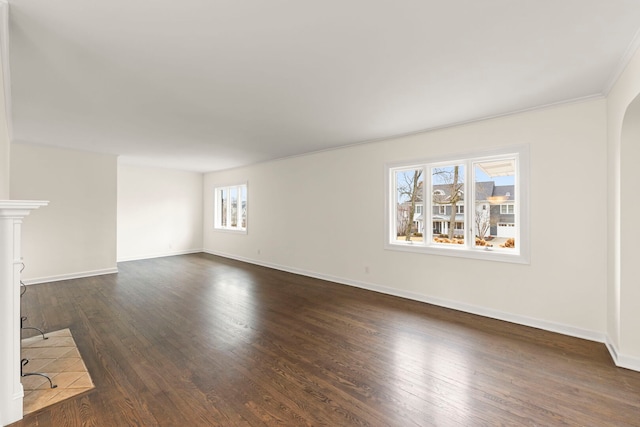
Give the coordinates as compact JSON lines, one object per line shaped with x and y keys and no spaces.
{"x":212,"y":84}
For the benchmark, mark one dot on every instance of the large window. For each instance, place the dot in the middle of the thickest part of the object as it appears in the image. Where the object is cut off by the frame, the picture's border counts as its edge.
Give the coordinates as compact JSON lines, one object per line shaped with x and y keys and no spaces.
{"x":426,"y":206}
{"x":231,"y":208}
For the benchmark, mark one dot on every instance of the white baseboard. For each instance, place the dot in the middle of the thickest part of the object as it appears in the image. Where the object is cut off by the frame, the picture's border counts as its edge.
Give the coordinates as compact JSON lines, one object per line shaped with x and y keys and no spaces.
{"x":160,"y":255}
{"x":11,"y":410}
{"x":622,"y":360}
{"x":70,"y":276}
{"x":468,"y":308}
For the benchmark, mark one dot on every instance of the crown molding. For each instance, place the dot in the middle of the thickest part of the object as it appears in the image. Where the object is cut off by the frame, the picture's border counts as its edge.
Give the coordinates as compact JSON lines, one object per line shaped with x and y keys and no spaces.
{"x":629,"y":53}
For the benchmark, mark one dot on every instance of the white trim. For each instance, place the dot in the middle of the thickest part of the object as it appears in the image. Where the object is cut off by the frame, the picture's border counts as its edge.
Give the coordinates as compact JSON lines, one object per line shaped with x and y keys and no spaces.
{"x":160,"y":255}
{"x":467,"y":308}
{"x":629,"y":53}
{"x":70,"y":276}
{"x":231,"y":230}
{"x":15,"y":410}
{"x":486,"y":254}
{"x":612,"y":350}
{"x":20,"y":208}
{"x":622,"y":360}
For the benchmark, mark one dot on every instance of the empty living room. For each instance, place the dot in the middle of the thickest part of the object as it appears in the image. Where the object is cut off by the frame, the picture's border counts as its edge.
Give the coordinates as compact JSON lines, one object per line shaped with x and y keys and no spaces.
{"x":285,"y":213}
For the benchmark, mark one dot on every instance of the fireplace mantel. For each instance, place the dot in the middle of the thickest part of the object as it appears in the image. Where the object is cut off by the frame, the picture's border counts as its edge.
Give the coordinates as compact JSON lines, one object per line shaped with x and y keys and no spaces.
{"x":11,"y":393}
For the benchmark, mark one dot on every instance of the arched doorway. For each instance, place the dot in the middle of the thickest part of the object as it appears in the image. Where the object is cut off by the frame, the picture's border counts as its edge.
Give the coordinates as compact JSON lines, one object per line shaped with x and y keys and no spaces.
{"x":629,"y":231}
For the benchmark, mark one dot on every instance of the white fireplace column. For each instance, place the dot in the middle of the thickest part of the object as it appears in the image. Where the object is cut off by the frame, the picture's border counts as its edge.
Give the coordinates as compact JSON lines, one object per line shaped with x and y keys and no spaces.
{"x":11,"y":392}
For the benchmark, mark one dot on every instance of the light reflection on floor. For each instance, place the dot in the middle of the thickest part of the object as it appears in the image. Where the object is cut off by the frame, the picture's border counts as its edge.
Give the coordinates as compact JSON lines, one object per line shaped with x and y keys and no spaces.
{"x":239,"y":310}
{"x":421,"y":365}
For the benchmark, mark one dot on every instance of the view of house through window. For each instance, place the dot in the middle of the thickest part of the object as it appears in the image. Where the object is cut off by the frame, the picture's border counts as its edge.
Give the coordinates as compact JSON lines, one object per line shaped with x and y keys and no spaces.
{"x":495,"y":217}
{"x":470,"y":204}
{"x":447,"y":196}
{"x":231,"y":207}
{"x":409,"y":185}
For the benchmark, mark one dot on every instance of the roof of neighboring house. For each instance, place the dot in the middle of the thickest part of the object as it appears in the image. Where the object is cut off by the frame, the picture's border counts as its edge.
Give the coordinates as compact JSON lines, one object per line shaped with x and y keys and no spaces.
{"x":507,"y":191}
{"x":484,"y":190}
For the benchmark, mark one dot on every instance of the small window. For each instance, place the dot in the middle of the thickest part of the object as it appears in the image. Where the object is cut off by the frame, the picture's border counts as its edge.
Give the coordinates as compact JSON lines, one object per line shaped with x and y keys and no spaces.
{"x":472,"y":206}
{"x":507,"y":209}
{"x":231,"y":208}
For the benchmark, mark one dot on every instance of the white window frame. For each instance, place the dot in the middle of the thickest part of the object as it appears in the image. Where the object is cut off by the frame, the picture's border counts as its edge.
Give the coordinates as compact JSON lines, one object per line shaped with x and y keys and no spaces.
{"x":217,"y":217}
{"x":519,"y":254}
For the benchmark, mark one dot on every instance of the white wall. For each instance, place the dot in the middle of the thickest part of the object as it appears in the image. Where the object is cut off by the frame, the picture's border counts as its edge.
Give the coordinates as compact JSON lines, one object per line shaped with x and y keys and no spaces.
{"x":624,"y":205}
{"x":159,"y":212}
{"x":323,"y":215}
{"x":76,"y":234}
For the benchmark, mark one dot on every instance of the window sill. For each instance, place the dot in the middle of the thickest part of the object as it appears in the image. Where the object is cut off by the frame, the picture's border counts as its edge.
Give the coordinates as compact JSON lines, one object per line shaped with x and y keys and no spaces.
{"x":459,"y":251}
{"x":231,"y":230}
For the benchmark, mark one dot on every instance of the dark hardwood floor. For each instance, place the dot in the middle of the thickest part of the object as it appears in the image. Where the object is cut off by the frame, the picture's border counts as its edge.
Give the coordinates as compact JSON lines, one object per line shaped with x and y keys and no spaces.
{"x":199,"y":340}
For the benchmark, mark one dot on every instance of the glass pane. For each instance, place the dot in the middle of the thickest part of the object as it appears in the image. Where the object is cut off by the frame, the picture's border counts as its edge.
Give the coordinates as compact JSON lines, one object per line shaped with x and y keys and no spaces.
{"x":447,"y":192}
{"x":409,"y":223}
{"x":223,"y":207}
{"x":495,"y":220}
{"x":243,"y":200}
{"x":233,"y":203}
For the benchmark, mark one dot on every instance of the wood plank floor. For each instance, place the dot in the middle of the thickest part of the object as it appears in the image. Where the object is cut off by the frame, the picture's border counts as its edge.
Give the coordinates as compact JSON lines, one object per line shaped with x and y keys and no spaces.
{"x":199,"y":340}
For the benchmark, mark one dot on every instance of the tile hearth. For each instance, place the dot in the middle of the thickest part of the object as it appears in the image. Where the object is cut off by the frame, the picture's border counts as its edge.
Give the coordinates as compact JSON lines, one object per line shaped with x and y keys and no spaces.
{"x":58,"y":358}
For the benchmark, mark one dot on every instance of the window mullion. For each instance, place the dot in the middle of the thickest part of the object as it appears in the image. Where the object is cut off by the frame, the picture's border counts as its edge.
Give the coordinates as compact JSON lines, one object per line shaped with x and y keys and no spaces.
{"x":394,"y":206}
{"x":517,"y":207}
{"x":239,"y":195}
{"x":469,"y":204}
{"x":425,"y":218}
{"x":216,"y":214}
{"x":239,"y":208}
{"x":228,"y":210}
{"x":428,"y":205}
